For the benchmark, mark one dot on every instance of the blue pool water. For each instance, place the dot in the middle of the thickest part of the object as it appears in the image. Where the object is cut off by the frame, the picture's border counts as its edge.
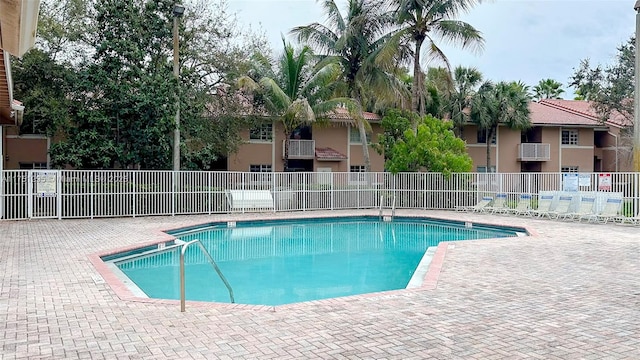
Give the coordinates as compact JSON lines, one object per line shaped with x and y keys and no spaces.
{"x":281,"y":262}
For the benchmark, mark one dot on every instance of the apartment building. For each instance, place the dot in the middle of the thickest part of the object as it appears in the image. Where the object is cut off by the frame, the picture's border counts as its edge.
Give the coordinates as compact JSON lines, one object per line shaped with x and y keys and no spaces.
{"x":334,"y":146}
{"x":566,"y":136}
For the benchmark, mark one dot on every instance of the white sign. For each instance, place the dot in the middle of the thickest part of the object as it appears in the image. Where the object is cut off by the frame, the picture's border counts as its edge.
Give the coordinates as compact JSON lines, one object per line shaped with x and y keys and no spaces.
{"x":570,"y":182}
{"x":46,"y":183}
{"x":585,"y":180}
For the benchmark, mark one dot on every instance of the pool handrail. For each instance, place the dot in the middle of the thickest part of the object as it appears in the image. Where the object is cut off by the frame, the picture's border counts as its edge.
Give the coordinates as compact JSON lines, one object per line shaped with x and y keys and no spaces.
{"x":213,"y":263}
{"x":393,"y":206}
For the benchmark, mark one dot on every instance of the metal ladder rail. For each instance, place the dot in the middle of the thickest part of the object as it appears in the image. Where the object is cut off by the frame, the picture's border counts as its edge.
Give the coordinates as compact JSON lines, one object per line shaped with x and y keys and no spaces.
{"x":213,"y":263}
{"x":393,"y":206}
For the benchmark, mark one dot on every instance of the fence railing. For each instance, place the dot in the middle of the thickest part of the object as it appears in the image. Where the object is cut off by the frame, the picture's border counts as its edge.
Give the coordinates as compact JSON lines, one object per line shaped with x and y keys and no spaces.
{"x":29,"y":194}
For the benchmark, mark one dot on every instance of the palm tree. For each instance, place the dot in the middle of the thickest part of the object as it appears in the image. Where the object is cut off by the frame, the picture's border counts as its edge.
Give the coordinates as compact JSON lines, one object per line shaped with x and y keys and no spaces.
{"x":499,"y":104}
{"x":296,"y":92}
{"x":465,"y":84}
{"x":359,"y":43}
{"x":548,"y":89}
{"x":424,"y":21}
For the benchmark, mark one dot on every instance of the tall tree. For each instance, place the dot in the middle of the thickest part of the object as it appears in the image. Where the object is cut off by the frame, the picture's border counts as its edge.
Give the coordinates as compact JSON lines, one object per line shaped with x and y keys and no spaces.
{"x":609,"y":88}
{"x":297,"y":94}
{"x":64,"y":28}
{"x":499,"y":104}
{"x":122,"y":76}
{"x":427,"y":21}
{"x":547,"y":89}
{"x":359,"y":42}
{"x":42,"y":85}
{"x":465,"y":84}
{"x":123,"y":109}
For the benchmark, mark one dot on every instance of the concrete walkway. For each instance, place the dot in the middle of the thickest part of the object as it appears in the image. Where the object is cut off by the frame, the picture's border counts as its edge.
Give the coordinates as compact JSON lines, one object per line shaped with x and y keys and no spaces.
{"x":570,"y":292}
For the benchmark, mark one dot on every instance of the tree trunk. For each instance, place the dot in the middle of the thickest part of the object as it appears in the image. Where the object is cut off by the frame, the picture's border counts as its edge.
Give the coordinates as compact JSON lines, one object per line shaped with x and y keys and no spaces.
{"x":365,"y":145}
{"x":416,"y":91}
{"x":489,"y":137}
{"x":286,"y":150}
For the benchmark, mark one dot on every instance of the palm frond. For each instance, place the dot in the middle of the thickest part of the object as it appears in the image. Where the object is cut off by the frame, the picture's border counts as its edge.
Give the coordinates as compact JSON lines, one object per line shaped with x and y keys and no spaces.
{"x":333,"y":14}
{"x":317,"y":36}
{"x":301,"y":111}
{"x":436,"y":54}
{"x":277,"y":96}
{"x":459,"y":33}
{"x":246,"y":83}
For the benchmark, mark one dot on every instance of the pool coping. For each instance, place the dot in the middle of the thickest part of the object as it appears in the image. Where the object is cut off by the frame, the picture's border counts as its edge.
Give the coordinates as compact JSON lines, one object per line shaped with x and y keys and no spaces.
{"x":124,"y":292}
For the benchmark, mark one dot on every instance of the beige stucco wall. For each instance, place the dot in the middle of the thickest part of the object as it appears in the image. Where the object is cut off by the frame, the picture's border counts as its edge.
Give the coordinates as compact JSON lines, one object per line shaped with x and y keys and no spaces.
{"x":336,"y":137}
{"x":253,"y":153}
{"x":477,"y":152}
{"x":356,"y":153}
{"x":580,"y":155}
{"x":22,"y":149}
{"x":508,"y":141}
{"x":551,"y":136}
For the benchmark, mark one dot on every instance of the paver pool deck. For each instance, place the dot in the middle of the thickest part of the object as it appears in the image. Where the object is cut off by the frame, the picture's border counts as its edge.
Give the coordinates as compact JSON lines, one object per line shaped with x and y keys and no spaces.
{"x":571,"y":291}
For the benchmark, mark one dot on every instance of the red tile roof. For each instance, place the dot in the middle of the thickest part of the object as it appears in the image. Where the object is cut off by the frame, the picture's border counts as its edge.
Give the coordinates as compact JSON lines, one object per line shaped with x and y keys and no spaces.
{"x":585,"y":108}
{"x":329,"y":154}
{"x":547,"y":114}
{"x":342,"y":114}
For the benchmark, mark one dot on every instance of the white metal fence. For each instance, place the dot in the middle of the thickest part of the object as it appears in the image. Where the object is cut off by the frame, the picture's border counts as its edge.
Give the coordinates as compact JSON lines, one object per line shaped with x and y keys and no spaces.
{"x":29,"y":194}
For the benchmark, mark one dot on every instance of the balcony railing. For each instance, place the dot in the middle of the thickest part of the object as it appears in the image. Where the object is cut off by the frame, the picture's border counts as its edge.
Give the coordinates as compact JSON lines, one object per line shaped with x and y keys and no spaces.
{"x":300,"y":149}
{"x":534,"y":152}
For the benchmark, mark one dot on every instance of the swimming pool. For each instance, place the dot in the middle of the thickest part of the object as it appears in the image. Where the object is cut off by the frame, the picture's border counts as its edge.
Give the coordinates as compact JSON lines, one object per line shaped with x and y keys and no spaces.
{"x":289,"y":261}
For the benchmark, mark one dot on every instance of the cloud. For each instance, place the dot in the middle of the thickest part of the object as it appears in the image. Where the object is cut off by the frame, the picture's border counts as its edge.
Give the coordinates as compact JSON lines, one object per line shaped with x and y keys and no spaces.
{"x":525,"y":40}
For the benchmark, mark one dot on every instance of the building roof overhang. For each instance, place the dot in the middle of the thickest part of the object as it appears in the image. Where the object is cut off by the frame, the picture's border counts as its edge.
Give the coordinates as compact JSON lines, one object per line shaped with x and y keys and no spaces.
{"x":18,"y":23}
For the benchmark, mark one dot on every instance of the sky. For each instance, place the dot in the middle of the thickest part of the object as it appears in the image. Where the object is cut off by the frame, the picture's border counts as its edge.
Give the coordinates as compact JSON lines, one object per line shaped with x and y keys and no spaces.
{"x":526,"y":40}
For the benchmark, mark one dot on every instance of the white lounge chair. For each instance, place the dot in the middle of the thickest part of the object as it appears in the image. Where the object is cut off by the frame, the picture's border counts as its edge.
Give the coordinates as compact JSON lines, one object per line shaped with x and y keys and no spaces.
{"x":523,"y":207}
{"x":499,"y":205}
{"x":609,"y":212}
{"x":484,"y":202}
{"x":585,"y":210}
{"x":564,"y":203}
{"x":544,"y":206}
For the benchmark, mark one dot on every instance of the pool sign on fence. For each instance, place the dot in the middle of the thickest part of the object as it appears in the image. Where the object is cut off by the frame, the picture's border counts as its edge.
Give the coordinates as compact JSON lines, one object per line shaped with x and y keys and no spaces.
{"x":604,"y":182}
{"x":46,"y":183}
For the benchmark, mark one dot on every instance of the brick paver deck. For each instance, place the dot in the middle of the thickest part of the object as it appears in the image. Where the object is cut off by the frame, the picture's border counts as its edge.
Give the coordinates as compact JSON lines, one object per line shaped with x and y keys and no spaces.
{"x":571,"y":292}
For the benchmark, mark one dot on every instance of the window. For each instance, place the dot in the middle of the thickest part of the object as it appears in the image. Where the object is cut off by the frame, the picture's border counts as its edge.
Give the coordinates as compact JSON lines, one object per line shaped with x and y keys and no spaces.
{"x":569,"y":137}
{"x":569,"y":169}
{"x":483,"y":169}
{"x":354,"y":136}
{"x":357,"y":168}
{"x":482,"y":137}
{"x":262,"y":132}
{"x":260,"y":168}
{"x":29,"y":166}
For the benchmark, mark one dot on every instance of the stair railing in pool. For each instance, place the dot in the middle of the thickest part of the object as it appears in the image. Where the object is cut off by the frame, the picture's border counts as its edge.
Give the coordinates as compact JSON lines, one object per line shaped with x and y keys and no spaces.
{"x":213,"y":263}
{"x":393,"y":207}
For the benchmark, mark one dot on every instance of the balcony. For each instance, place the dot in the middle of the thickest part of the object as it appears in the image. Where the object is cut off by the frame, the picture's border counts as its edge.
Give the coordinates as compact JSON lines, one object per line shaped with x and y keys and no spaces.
{"x":534,"y":152}
{"x":300,"y":149}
